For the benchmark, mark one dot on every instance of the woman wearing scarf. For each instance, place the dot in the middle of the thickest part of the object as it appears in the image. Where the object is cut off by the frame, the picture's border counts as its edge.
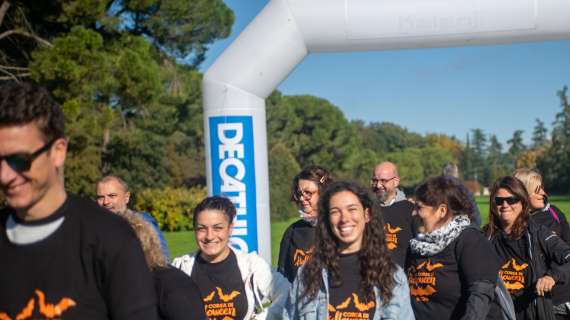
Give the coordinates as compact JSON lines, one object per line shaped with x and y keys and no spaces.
{"x":452,"y":269}
{"x":298,"y":241}
{"x":527,"y":251}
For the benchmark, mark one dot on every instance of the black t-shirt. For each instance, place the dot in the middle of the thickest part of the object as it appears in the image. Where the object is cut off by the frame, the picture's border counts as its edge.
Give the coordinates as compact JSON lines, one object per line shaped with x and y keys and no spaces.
{"x":178,"y":296}
{"x":347,"y":300}
{"x":399,"y":227}
{"x":296,"y":247}
{"x":91,"y":267}
{"x":221,"y":287}
{"x":439,"y":283}
{"x":516,"y":270}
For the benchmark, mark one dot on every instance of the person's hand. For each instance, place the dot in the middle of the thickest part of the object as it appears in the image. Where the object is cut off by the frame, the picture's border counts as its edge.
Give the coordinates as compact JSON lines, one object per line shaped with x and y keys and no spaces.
{"x":544,"y":285}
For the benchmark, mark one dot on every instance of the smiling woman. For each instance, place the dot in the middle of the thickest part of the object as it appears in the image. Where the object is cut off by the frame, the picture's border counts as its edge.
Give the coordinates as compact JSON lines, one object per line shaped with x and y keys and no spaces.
{"x":233,"y":285}
{"x":351,"y":269}
{"x":529,"y":252}
{"x":452,"y":270}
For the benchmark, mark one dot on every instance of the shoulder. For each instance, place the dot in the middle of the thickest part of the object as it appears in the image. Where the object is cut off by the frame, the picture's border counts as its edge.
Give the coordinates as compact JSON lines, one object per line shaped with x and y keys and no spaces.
{"x":400,"y":275}
{"x":401,"y":205}
{"x":251,"y":261}
{"x":296,"y":226}
{"x":473,"y":239}
{"x":172,"y":276}
{"x":185,"y":263}
{"x":96,"y":220}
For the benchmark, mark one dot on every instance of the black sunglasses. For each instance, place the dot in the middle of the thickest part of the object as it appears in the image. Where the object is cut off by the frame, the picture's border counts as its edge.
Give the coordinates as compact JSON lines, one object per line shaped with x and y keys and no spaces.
{"x":21,"y":162}
{"x":510,"y":200}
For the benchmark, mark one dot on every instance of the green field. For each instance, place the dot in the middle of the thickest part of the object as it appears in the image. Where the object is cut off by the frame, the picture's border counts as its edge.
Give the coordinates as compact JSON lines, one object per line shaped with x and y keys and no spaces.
{"x":180,"y":243}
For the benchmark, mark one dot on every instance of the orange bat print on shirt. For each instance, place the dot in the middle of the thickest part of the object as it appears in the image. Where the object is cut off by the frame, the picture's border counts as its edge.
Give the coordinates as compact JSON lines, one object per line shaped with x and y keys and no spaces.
{"x":300,"y":257}
{"x":423,"y":279}
{"x":48,"y":310}
{"x":343,"y":310}
{"x":223,"y":308}
{"x":512,"y":274}
{"x":391,"y":236}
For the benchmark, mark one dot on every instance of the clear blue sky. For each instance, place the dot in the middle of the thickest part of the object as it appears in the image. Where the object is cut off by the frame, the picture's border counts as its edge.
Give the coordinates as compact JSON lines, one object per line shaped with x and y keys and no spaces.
{"x":496,"y":88}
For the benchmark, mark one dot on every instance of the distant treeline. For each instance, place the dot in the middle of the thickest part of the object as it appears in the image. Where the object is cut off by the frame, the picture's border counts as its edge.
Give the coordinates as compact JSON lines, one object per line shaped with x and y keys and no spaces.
{"x":126,"y":75}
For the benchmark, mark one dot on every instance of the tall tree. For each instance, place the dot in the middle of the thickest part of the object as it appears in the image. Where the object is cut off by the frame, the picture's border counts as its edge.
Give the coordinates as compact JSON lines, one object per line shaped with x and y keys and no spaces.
{"x":555,"y":164}
{"x":496,"y":160}
{"x":516,"y":145}
{"x":115,"y":66}
{"x":539,"y":134}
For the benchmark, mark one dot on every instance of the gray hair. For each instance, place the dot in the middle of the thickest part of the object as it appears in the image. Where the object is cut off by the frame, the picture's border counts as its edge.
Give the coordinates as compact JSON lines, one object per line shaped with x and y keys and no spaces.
{"x":450,"y":169}
{"x":111,"y":177}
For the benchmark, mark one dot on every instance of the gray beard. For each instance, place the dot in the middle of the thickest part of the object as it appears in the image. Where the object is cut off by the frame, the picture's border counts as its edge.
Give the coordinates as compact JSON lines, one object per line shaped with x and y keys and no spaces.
{"x":383,"y":196}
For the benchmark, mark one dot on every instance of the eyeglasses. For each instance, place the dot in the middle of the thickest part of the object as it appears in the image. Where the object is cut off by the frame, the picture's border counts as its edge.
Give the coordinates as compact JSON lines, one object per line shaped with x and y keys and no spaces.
{"x":510,"y":200}
{"x":21,"y":162}
{"x":305,"y":194}
{"x":374,"y":181}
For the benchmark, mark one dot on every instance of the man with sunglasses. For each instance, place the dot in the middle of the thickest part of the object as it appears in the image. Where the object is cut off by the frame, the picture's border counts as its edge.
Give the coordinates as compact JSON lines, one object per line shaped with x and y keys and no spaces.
{"x":63,"y":256}
{"x":399,"y":223}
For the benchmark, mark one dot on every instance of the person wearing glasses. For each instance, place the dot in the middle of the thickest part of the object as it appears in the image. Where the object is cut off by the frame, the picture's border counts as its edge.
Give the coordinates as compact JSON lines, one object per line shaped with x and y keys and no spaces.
{"x":298,"y":241}
{"x":65,"y":257}
{"x":548,"y":215}
{"x":350,"y":275}
{"x":234,"y":285}
{"x":452,"y":269}
{"x":528,"y":251}
{"x":400,"y":225}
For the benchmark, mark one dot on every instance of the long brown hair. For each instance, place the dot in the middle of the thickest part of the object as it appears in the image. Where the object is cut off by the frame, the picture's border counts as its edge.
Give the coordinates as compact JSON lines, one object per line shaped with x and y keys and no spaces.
{"x":517,"y":188}
{"x":376,"y":266}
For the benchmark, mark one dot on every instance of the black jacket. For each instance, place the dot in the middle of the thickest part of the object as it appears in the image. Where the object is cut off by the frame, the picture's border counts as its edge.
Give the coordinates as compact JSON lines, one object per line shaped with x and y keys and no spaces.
{"x":548,"y":255}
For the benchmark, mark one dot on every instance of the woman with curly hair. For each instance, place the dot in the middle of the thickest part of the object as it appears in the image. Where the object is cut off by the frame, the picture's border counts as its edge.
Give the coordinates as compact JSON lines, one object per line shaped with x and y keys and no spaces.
{"x":178,"y":296}
{"x":298,"y":241}
{"x":529,"y":252}
{"x":350,"y":275}
{"x":452,"y":269}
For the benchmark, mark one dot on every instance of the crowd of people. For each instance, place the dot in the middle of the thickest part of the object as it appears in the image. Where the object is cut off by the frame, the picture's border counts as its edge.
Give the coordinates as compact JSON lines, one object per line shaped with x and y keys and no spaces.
{"x":355,"y":253}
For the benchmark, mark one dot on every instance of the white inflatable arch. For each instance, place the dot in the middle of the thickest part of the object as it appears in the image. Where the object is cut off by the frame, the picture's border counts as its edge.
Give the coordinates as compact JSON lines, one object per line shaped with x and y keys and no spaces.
{"x":286,"y":31}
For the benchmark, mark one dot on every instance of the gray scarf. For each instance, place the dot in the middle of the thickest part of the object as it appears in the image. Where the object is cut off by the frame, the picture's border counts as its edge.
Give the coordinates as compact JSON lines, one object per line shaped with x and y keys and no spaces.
{"x":432,"y":243}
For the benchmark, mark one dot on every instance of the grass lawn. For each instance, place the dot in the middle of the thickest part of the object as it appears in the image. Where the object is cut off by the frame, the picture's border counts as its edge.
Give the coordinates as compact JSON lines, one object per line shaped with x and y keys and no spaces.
{"x":183,"y":242}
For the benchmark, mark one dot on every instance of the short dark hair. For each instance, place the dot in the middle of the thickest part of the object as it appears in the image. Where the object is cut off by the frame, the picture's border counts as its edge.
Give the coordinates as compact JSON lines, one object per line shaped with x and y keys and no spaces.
{"x":24,"y":103}
{"x":440,"y":190}
{"x":216,"y":203}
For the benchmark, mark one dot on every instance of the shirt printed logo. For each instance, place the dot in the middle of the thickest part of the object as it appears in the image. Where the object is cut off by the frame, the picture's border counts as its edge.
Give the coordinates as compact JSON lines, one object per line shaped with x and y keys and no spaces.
{"x":344,"y":311}
{"x":300,"y":257}
{"x":513,"y":275}
{"x":391,"y":236}
{"x":423,"y":280}
{"x":48,"y":310}
{"x":222,"y":307}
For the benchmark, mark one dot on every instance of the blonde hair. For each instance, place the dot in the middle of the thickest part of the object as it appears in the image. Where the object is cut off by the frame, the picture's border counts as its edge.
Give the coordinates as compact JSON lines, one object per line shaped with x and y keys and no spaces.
{"x":148,"y":239}
{"x":531,"y":179}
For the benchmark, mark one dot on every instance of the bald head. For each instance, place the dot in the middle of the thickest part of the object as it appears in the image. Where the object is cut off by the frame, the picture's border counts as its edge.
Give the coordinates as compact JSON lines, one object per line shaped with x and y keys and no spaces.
{"x":113,"y":194}
{"x":385,"y":181}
